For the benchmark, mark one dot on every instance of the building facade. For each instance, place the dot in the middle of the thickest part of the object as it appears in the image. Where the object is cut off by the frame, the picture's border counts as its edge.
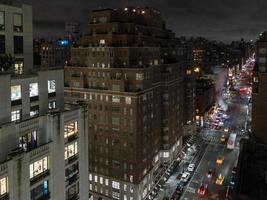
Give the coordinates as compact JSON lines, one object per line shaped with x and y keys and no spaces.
{"x":259,"y":96}
{"x":131,"y":72}
{"x":16,"y":36}
{"x":43,"y":143}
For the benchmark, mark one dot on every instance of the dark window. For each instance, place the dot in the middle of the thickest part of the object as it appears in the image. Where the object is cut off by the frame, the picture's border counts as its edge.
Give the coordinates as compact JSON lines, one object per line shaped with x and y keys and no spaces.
{"x":2,"y":44}
{"x":18,"y":44}
{"x":40,"y":192}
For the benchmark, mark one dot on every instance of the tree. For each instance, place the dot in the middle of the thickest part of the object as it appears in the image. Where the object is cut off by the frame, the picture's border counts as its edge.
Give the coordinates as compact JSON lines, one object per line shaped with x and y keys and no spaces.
{"x":6,"y":62}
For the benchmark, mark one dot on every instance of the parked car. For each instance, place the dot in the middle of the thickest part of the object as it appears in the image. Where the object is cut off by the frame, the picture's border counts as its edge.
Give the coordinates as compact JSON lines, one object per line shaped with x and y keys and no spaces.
{"x":191,"y":168}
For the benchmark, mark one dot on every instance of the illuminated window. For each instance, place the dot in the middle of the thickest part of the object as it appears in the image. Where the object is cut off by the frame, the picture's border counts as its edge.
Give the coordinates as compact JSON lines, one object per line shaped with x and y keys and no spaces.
{"x":51,"y":86}
{"x":106,"y":182}
{"x":102,"y":42}
{"x":166,"y":154}
{"x":139,"y":76}
{"x":70,"y":129}
{"x":90,"y":177}
{"x":33,"y":87}
{"x":34,"y":111}
{"x":71,"y":150}
{"x":3,"y":186}
{"x":15,"y":115}
{"x":188,"y":72}
{"x":115,"y":99}
{"x":52,"y":105}
{"x":116,"y":185}
{"x":15,"y":92}
{"x":115,"y":195}
{"x":18,"y":67}
{"x":128,"y":100}
{"x":38,"y":167}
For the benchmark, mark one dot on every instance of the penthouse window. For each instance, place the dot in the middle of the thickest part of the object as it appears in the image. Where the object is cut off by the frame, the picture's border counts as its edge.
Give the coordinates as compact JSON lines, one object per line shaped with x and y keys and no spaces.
{"x":3,"y":186}
{"x":38,"y":167}
{"x":2,"y":20}
{"x":71,"y":150}
{"x":17,"y":22}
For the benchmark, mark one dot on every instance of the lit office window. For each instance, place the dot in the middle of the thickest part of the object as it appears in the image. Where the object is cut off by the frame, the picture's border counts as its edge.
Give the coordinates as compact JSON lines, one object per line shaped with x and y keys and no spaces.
{"x":33,"y":87}
{"x":15,"y":115}
{"x":15,"y":92}
{"x":3,"y":186}
{"x":70,"y":129}
{"x":34,"y":111}
{"x":128,"y":100}
{"x":71,"y":150}
{"x":115,"y":195}
{"x":17,"y":22}
{"x":2,"y":21}
{"x":139,"y":76}
{"x":116,"y":185}
{"x":51,"y":86}
{"x":18,"y":67}
{"x":38,"y":167}
{"x":115,"y":99}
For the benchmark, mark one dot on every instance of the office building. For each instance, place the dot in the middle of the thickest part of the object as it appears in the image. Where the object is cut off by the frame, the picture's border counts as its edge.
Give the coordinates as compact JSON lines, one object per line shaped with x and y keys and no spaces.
{"x":43,"y":143}
{"x":131,"y":71}
{"x":16,"y":35}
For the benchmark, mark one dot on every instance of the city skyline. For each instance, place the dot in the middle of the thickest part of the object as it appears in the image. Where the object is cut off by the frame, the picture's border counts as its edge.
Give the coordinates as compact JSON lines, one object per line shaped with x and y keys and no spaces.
{"x":217,"y":20}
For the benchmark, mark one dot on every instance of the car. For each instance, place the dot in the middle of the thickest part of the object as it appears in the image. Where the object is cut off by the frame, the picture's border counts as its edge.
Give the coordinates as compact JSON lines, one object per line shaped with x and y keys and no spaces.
{"x":202,"y":190}
{"x":179,"y":176}
{"x":226,"y":130}
{"x":223,"y":138}
{"x":210,"y":173}
{"x":234,"y":170}
{"x":185,"y":177}
{"x":191,"y":167}
{"x":219,"y":180}
{"x":232,"y":180}
{"x":220,"y":160}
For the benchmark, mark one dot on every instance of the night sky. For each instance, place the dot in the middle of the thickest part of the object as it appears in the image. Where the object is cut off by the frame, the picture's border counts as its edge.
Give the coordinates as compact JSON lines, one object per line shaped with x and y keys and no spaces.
{"x":224,"y":20}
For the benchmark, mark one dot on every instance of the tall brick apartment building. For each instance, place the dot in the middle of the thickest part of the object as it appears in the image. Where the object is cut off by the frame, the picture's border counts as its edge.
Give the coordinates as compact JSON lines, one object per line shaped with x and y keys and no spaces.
{"x":132,"y":73}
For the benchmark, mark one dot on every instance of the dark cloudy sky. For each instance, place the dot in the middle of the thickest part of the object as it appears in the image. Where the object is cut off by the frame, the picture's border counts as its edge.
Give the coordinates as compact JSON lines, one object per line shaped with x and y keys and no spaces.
{"x":215,"y":19}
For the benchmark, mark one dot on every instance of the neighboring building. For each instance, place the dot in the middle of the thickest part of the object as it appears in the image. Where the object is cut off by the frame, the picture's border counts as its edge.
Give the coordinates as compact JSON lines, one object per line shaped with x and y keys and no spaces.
{"x":72,"y":29}
{"x":205,"y":98}
{"x":131,"y":72}
{"x":43,"y":146}
{"x":55,"y":53}
{"x":259,"y":94}
{"x":16,"y":35}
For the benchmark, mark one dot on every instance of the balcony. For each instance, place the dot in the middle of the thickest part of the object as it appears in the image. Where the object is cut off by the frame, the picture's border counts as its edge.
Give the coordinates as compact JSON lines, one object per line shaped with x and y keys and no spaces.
{"x":40,"y":177}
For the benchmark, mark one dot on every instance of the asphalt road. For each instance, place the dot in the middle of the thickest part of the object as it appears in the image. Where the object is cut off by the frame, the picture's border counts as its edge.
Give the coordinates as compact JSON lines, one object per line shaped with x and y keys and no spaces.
{"x":237,"y":110}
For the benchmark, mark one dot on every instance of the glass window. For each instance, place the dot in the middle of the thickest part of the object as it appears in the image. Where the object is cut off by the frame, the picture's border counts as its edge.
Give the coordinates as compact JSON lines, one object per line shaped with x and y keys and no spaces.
{"x":38,"y":167}
{"x":28,"y":141}
{"x":139,"y":76}
{"x":34,"y":111}
{"x":15,"y":115}
{"x":18,"y":67}
{"x":17,"y":22}
{"x":3,"y":186}
{"x":128,"y":100}
{"x":115,"y":120}
{"x":15,"y":92}
{"x":115,"y":99}
{"x":40,"y":191}
{"x":115,"y":185}
{"x":33,"y":87}
{"x":2,"y":20}
{"x":18,"y":44}
{"x":71,"y":150}
{"x":70,"y":129}
{"x":2,"y":44}
{"x":51,"y":86}
{"x":52,"y":105}
{"x":262,"y":60}
{"x":262,"y":50}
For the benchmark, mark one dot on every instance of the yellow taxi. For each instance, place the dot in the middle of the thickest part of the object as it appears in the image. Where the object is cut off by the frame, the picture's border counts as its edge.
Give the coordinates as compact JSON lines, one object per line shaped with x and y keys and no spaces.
{"x":219,"y":180}
{"x":220,"y":160}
